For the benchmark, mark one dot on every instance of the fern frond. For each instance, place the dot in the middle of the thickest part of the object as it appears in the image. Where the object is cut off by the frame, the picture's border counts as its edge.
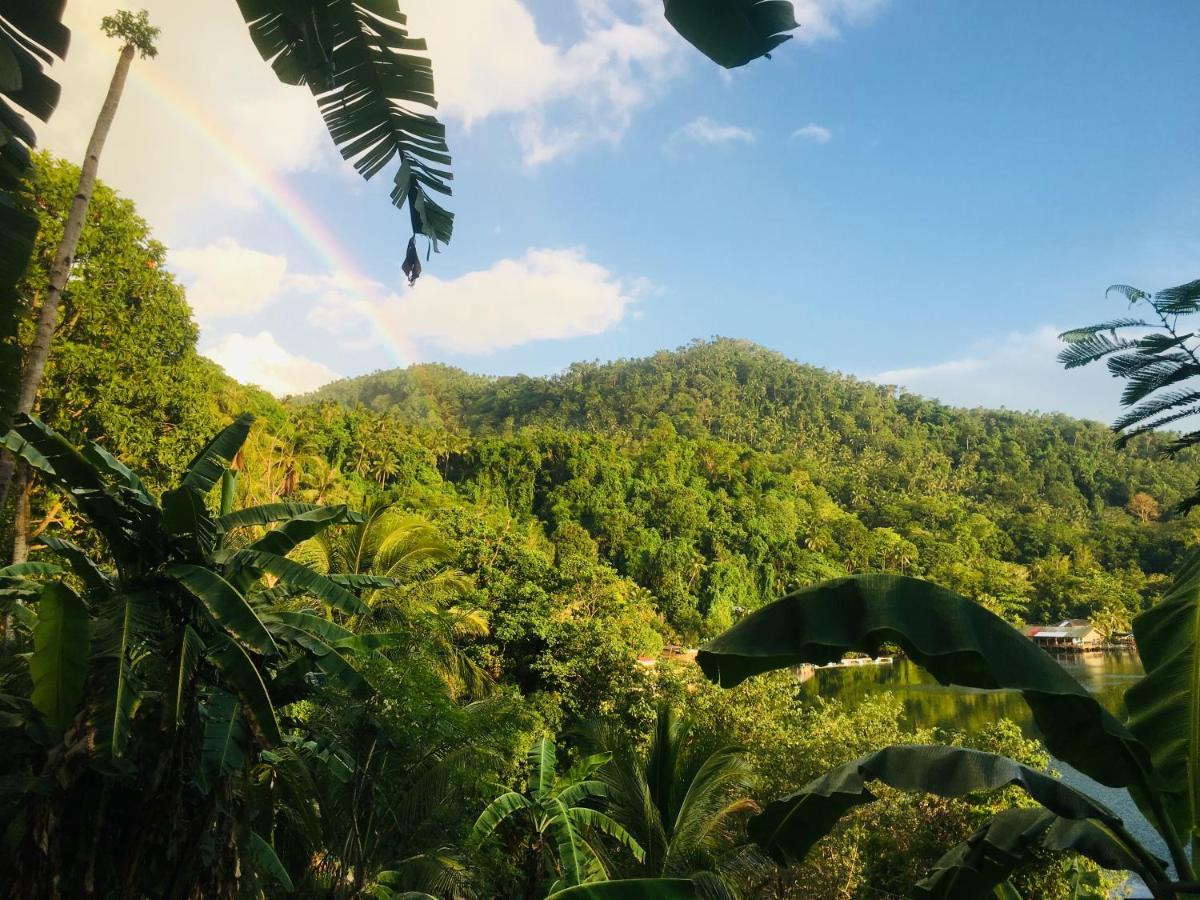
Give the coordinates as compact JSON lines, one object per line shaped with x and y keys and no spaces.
{"x":1078,"y":334}
{"x":1163,"y":373}
{"x":1128,"y":436}
{"x":1154,"y":407}
{"x":1130,"y":293}
{"x":1128,"y":363}
{"x":1091,"y":348}
{"x":1179,"y":300}
{"x":1161,"y":343}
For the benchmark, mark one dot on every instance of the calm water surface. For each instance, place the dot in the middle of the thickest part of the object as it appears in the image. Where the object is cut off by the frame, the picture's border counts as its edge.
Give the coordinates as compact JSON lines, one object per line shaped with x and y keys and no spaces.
{"x":929,"y":704}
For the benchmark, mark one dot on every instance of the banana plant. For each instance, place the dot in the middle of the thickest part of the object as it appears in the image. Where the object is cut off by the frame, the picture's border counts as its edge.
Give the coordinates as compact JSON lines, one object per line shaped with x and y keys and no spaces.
{"x":556,"y":815}
{"x":159,"y":673}
{"x":1153,"y":752}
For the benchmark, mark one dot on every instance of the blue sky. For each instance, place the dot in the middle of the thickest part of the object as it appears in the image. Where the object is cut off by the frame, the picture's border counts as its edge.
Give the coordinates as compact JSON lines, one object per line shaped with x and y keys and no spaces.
{"x":922,"y":191}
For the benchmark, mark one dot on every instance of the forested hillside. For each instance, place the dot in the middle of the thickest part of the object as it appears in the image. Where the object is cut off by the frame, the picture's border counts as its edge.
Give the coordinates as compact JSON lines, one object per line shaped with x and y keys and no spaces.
{"x":484,"y":596}
{"x":722,"y":475}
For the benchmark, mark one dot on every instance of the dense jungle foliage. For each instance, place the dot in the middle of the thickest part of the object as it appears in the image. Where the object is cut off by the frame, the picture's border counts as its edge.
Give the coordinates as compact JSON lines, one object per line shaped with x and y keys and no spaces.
{"x":529,"y":546}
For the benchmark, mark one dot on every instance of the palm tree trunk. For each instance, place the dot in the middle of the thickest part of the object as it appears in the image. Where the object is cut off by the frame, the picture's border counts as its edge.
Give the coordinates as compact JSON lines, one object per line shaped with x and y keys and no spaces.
{"x":39,"y":351}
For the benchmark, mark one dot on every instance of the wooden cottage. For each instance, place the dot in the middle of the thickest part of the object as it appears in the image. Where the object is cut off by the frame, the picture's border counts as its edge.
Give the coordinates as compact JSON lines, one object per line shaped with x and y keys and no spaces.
{"x":1073,"y":634}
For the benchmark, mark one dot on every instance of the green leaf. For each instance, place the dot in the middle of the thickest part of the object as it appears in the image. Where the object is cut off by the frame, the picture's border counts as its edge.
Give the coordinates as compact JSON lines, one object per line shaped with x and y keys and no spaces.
{"x":60,"y":652}
{"x":366,"y":73}
{"x":268,"y":862}
{"x":123,"y":631}
{"x":1090,"y":347}
{"x":1078,"y":334}
{"x":357,"y":582}
{"x":263,"y":515}
{"x":226,"y":746}
{"x":631,"y":889}
{"x":106,"y":462}
{"x":35,"y":569}
{"x":81,"y":564}
{"x":186,"y":516}
{"x":327,"y":659}
{"x":542,"y":773}
{"x":788,"y":827}
{"x":1014,"y":839}
{"x":956,"y":640}
{"x":287,"y":537}
{"x":495,"y":813}
{"x":372,"y":641}
{"x":732,"y":32}
{"x":584,"y":817}
{"x":329,"y":632}
{"x":224,"y":603}
{"x":570,"y":848}
{"x":191,"y":648}
{"x":1180,"y":300}
{"x":204,"y":471}
{"x":301,"y":578}
{"x":123,"y":519}
{"x":1164,"y":706}
{"x":228,"y":656}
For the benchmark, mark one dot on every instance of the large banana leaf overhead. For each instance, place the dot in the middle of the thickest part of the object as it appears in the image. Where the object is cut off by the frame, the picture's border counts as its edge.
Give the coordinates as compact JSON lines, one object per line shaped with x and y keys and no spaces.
{"x":367,"y":74}
{"x":732,"y":32}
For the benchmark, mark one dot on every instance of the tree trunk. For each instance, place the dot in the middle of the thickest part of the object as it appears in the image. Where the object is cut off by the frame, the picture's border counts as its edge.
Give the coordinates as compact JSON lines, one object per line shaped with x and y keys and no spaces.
{"x":39,"y":350}
{"x":24,"y":482}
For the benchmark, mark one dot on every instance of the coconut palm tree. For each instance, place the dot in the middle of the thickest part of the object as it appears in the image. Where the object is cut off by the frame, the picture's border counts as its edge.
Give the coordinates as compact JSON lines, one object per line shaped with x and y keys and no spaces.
{"x":137,"y":37}
{"x":560,"y":826}
{"x":684,"y":804}
{"x":408,"y":584}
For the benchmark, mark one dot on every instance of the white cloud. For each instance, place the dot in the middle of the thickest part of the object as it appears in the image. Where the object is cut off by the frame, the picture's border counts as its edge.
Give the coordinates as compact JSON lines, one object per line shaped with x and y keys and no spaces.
{"x":543,"y":295}
{"x":1018,"y":372}
{"x":199,"y":123}
{"x":566,"y":96}
{"x":259,"y":359}
{"x":812,"y":132}
{"x":704,"y":130}
{"x":563,"y":96}
{"x":204,"y":123}
{"x":226,"y":279}
{"x":822,"y":20}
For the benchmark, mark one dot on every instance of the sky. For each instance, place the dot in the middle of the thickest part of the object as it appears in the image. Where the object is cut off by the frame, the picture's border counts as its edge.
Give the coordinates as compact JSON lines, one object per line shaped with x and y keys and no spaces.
{"x":920,"y":192}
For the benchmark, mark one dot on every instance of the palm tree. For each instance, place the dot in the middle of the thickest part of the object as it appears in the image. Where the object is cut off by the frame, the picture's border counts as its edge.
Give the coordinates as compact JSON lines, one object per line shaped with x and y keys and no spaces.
{"x":405,"y":572}
{"x":137,"y":36}
{"x":683,"y":804}
{"x":561,"y":830}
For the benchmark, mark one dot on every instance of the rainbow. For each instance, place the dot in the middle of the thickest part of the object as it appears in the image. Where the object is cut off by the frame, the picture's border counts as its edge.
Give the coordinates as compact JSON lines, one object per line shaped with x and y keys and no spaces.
{"x":276,"y":192}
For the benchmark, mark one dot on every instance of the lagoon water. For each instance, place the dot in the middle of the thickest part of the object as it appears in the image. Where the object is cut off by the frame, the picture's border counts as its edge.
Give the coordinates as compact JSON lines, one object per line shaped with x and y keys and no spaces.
{"x":929,"y":704}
